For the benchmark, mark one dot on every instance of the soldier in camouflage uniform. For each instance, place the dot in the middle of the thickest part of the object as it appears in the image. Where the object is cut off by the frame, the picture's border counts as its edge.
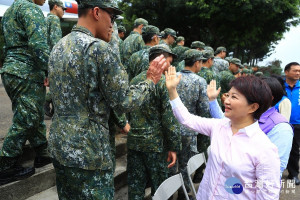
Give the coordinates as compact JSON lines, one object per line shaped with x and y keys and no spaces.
{"x":179,"y":50}
{"x":121,"y":33}
{"x":219,"y":63}
{"x":245,"y":65}
{"x":208,"y":48}
{"x":192,"y":91}
{"x":228,"y":75}
{"x":134,"y":42}
{"x":116,"y":122}
{"x":139,"y":61}
{"x":198,"y":45}
{"x":154,"y":137}
{"x":87,"y":80}
{"x":168,"y":37}
{"x":54,"y":34}
{"x":23,"y":74}
{"x":206,"y":72}
{"x":227,"y":59}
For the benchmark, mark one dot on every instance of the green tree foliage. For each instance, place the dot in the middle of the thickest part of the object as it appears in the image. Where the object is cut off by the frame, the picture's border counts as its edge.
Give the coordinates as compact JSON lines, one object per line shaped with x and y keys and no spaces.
{"x":248,"y":28}
{"x":273,"y":67}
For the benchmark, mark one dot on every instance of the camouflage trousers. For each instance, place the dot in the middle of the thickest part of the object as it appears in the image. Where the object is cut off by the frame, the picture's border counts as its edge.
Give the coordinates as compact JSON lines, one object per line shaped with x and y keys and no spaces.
{"x":182,"y":159}
{"x":75,"y":183}
{"x":27,"y":99}
{"x":143,"y":167}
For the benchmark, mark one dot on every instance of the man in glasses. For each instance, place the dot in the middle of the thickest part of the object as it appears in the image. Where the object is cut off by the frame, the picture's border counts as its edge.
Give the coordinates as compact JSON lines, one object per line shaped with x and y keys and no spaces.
{"x":87,"y":81}
{"x":54,"y":34}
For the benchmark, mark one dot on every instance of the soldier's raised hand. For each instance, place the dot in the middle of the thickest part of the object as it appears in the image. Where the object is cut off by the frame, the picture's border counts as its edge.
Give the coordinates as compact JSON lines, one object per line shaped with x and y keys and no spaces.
{"x":212,"y":91}
{"x":156,"y":69}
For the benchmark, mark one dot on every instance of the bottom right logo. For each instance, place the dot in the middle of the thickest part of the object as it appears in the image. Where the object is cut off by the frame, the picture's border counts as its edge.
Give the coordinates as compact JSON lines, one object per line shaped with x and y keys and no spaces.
{"x":233,"y":186}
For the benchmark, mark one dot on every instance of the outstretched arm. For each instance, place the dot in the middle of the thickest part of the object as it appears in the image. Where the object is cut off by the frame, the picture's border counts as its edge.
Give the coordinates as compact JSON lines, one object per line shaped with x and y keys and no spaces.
{"x":212,"y":94}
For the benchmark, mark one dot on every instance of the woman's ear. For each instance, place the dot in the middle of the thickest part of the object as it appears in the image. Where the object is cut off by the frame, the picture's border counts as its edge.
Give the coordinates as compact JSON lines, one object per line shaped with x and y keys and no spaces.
{"x":253,"y":107}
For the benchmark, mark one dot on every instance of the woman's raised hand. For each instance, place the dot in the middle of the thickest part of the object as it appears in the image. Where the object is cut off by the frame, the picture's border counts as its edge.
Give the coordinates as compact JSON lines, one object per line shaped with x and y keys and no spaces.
{"x":212,"y":91}
{"x":172,"y":81}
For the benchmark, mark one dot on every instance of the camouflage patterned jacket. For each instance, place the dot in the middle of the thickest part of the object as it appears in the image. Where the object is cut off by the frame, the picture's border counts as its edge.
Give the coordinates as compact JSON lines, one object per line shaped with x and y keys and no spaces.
{"x":114,"y":41}
{"x":180,"y":66}
{"x":192,"y":92}
{"x":163,"y":42}
{"x":225,"y":78}
{"x":219,"y":65}
{"x":209,"y":75}
{"x":179,"y":51}
{"x":53,"y":30}
{"x":25,"y":48}
{"x":153,"y":126}
{"x":133,"y":43}
{"x":87,"y":80}
{"x":121,"y":42}
{"x":138,"y":62}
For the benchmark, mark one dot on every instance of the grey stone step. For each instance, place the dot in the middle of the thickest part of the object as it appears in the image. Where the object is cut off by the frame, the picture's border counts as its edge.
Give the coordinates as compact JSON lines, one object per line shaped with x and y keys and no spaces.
{"x":120,"y":142}
{"x":51,"y":194}
{"x":44,"y":178}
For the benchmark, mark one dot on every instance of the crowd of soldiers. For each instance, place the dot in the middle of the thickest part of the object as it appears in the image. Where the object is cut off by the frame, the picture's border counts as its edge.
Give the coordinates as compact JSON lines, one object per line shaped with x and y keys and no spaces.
{"x":100,"y":81}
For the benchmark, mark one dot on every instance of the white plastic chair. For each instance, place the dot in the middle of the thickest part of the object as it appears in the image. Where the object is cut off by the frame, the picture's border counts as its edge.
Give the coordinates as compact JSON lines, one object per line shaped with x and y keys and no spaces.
{"x":193,"y":164}
{"x":208,"y":151}
{"x":169,"y":187}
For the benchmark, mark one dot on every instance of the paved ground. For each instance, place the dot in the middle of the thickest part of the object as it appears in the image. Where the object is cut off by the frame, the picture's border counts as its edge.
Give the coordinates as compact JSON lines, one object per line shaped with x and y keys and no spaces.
{"x":288,"y":192}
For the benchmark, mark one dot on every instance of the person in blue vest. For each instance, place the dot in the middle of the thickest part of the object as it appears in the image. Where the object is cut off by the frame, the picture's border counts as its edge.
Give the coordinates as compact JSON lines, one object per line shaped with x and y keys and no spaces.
{"x":292,"y":88}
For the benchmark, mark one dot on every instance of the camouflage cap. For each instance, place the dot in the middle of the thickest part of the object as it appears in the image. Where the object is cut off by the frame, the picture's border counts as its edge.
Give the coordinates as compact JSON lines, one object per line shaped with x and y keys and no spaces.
{"x":207,"y":54}
{"x":236,"y":61}
{"x":197,"y":44}
{"x":57,"y":2}
{"x":246,"y":71}
{"x":161,"y":48}
{"x":100,"y":3}
{"x":122,"y":29}
{"x":193,"y":55}
{"x":140,"y":21}
{"x":259,"y":74}
{"x":228,"y":59}
{"x":208,"y":48}
{"x":246,"y":64}
{"x":219,"y":50}
{"x":148,"y":30}
{"x":179,"y":39}
{"x":169,"y":31}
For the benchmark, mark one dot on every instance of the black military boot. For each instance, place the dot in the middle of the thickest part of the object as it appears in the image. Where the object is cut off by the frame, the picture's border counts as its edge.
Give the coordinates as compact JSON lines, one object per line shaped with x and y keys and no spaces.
{"x":41,"y":161}
{"x":42,"y":157}
{"x":15,"y":173}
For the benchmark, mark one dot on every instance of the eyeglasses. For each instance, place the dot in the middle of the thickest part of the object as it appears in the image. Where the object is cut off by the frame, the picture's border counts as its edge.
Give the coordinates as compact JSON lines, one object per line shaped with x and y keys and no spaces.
{"x":113,"y":17}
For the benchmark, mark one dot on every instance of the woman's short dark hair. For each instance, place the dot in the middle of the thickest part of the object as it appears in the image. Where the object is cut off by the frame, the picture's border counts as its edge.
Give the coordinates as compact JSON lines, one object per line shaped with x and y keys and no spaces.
{"x":256,"y":91}
{"x":276,"y":89}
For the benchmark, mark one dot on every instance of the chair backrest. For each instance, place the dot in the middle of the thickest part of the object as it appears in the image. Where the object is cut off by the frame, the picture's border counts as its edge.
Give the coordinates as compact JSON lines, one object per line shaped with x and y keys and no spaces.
{"x":208,"y":151}
{"x":169,"y":187}
{"x":193,"y":164}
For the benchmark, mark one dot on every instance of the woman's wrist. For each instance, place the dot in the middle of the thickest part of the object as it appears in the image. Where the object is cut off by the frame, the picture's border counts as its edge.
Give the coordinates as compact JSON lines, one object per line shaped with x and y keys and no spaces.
{"x":172,"y":93}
